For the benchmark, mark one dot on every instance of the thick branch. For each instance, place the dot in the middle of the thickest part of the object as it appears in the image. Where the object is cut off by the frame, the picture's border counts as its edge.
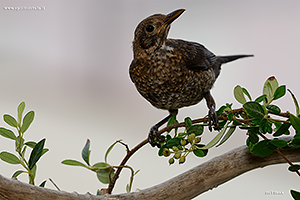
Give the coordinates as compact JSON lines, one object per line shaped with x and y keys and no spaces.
{"x":185,"y":186}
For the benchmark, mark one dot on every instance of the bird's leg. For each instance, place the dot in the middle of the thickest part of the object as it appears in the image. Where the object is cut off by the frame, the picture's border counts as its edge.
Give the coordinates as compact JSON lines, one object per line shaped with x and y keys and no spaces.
{"x":212,"y":115}
{"x":154,"y":129}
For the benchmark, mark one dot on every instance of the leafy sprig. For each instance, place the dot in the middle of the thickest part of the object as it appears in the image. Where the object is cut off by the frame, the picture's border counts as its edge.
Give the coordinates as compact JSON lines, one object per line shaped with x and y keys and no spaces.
{"x":21,"y":124}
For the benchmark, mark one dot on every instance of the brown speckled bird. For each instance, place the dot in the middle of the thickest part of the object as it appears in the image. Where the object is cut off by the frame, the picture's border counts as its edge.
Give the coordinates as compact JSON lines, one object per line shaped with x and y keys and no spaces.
{"x":173,"y":73}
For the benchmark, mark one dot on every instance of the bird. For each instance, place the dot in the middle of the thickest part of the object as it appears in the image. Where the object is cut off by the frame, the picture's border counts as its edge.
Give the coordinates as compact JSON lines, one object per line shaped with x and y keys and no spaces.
{"x":173,"y":73}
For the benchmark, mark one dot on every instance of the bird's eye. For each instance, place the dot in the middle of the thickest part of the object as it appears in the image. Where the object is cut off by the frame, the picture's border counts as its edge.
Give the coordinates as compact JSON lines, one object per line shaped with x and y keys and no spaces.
{"x":149,"y":28}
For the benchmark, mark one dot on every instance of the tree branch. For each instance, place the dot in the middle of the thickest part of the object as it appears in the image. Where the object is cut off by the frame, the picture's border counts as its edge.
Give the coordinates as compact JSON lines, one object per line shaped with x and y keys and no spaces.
{"x":185,"y":186}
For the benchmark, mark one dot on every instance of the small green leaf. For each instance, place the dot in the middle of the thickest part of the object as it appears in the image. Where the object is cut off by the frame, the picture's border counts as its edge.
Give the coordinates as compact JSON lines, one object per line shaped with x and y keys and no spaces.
{"x":247,"y":93}
{"x":27,"y":120}
{"x":103,"y":176}
{"x":278,"y":143}
{"x":283,"y":129}
{"x":295,"y":102}
{"x":262,"y":149}
{"x":295,"y":143}
{"x":265,"y":126}
{"x":31,"y":178}
{"x":43,"y":183}
{"x":254,"y":109}
{"x":17,"y":173}
{"x":173,"y":142}
{"x":9,"y":158}
{"x":172,"y":121}
{"x":295,"y":122}
{"x":7,"y":133}
{"x":295,"y":195}
{"x":21,"y":108}
{"x":10,"y":120}
{"x":260,"y":98}
{"x":109,"y":149}
{"x":31,"y":144}
{"x":239,"y":95}
{"x":196,"y":129}
{"x":253,"y":138}
{"x":44,"y":151}
{"x":36,"y":153}
{"x":294,"y":168}
{"x":200,"y":152}
{"x":227,"y":135}
{"x":73,"y":163}
{"x":217,"y":138}
{"x":188,"y":122}
{"x":269,"y":88}
{"x":85,"y":153}
{"x":100,"y":165}
{"x":280,"y":92}
{"x":274,"y":109}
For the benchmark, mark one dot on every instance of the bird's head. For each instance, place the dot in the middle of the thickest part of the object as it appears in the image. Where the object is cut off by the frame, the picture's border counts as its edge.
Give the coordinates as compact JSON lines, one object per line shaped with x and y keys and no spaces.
{"x":152,"y":32}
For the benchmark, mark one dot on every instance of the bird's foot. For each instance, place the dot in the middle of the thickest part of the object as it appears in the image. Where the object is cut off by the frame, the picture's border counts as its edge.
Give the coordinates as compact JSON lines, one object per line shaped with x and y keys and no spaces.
{"x":213,"y":119}
{"x":152,"y":135}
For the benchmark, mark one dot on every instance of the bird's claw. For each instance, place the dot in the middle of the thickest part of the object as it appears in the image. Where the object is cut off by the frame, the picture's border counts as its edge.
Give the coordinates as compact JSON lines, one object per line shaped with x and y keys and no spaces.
{"x":213,"y":119}
{"x":152,"y":135}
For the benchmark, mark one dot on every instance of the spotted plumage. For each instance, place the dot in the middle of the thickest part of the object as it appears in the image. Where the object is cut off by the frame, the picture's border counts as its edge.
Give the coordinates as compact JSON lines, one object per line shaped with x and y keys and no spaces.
{"x":173,"y":73}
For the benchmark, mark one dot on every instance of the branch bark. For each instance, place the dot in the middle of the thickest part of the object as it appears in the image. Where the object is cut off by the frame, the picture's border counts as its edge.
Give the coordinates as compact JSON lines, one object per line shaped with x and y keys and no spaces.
{"x":185,"y":186}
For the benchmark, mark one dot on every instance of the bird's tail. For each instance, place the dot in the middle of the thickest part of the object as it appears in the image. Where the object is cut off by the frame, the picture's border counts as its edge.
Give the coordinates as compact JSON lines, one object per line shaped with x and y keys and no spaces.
{"x":226,"y":59}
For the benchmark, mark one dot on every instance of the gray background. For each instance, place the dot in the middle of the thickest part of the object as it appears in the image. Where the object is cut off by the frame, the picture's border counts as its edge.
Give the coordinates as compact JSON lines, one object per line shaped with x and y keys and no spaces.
{"x":70,"y":62}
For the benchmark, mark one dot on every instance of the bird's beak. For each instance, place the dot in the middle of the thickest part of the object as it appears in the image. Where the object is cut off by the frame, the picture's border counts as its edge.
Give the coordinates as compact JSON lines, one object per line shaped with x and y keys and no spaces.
{"x":173,"y":15}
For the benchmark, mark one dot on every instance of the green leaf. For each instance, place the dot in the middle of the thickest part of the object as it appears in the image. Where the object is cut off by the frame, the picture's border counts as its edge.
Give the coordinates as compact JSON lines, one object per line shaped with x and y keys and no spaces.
{"x":239,"y":95}
{"x":10,"y":120}
{"x":283,"y":129}
{"x":21,"y":108}
{"x":274,"y":109}
{"x":278,"y":143}
{"x":101,"y":165}
{"x":160,"y":151}
{"x":265,"y":126}
{"x":295,"y":143}
{"x":200,"y":152}
{"x":44,"y":151}
{"x":253,"y":138}
{"x":294,"y":168}
{"x":103,"y":175}
{"x":295,"y":122}
{"x":85,"y":153}
{"x":254,"y":110}
{"x":7,"y":133}
{"x":73,"y":163}
{"x":280,"y":92}
{"x":261,"y":149}
{"x":217,"y":138}
{"x":260,"y":98}
{"x":31,"y":144}
{"x":173,"y":142}
{"x":269,"y":89}
{"x":109,"y":149}
{"x":188,"y":122}
{"x":31,"y":178}
{"x":295,"y":195}
{"x":172,"y":121}
{"x":295,"y":102}
{"x":27,"y":120}
{"x":17,"y":173}
{"x":9,"y":158}
{"x":246,"y":93}
{"x":43,"y":183}
{"x":36,"y":153}
{"x":227,"y":135}
{"x":196,"y":129}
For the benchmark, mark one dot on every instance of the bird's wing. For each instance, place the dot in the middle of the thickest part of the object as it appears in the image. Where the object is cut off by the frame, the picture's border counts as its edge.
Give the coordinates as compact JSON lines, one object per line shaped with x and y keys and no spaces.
{"x":196,"y":56}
